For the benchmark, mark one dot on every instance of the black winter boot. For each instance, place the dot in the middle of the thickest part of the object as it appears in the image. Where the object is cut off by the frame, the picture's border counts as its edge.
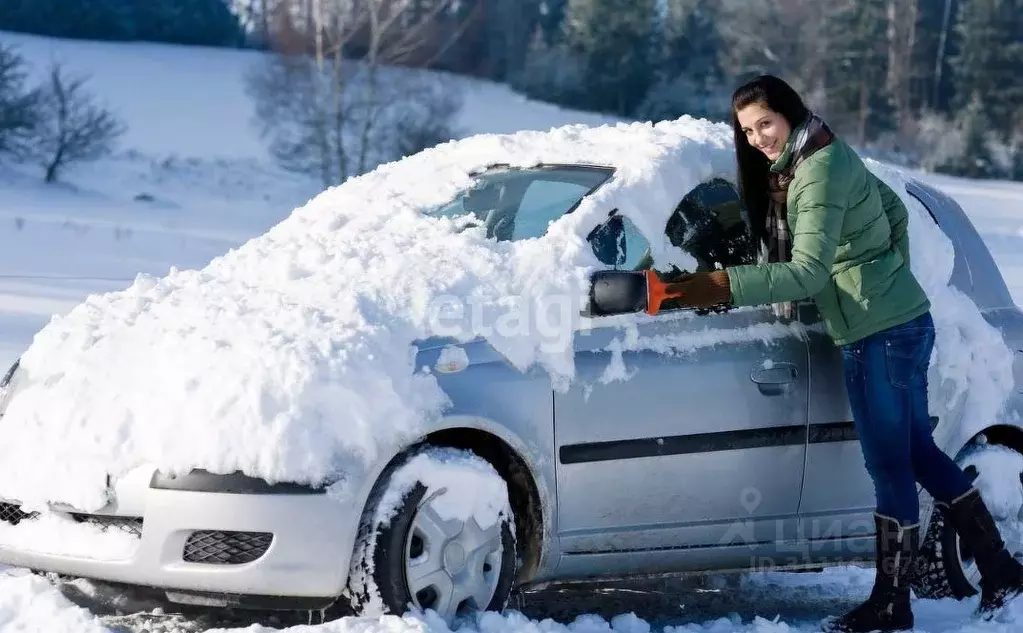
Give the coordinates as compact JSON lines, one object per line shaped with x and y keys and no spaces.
{"x":1001,"y":574}
{"x":887,"y":608}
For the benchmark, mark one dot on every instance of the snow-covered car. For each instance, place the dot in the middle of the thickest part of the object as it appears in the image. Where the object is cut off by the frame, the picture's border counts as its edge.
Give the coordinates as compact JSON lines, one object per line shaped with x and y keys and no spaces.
{"x":397,"y":398}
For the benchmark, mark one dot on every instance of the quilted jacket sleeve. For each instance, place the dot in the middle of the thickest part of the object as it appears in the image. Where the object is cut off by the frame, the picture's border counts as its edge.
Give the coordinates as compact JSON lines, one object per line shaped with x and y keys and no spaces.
{"x":817,"y":202}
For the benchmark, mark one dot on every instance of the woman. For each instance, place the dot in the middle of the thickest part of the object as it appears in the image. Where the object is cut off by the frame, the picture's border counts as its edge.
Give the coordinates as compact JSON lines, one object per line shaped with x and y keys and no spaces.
{"x":833,"y":232}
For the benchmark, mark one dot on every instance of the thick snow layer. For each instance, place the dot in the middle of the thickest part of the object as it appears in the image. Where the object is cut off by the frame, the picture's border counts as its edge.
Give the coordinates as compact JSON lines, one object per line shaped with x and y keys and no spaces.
{"x":290,"y":356}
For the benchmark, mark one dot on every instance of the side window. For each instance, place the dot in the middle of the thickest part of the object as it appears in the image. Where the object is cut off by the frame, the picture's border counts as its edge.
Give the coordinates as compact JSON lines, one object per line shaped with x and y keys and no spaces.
{"x":543,"y":202}
{"x":711,"y":226}
{"x":618,"y":244}
{"x":519,"y":204}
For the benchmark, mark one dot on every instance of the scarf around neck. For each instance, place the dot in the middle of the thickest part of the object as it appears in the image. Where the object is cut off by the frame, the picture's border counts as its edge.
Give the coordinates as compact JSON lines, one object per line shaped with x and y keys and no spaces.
{"x":809,"y":137}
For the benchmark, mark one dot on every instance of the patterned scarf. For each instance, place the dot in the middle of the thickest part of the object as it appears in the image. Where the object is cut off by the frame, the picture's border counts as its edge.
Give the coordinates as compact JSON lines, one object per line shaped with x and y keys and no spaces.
{"x":811,"y":136}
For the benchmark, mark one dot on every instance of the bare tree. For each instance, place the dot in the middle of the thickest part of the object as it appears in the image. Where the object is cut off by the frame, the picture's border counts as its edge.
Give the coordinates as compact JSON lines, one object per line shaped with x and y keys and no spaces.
{"x":330,"y":99}
{"x":71,"y":127}
{"x":17,"y":104}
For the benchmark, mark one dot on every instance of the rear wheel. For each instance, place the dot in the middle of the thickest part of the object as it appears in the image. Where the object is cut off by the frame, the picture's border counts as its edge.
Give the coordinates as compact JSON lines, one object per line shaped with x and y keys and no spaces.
{"x":948,"y":568}
{"x":438,"y":535}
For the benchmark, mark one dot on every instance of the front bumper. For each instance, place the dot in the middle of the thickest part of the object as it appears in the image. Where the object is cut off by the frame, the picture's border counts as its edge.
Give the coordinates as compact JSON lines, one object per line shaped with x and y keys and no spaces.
{"x":307,"y":557}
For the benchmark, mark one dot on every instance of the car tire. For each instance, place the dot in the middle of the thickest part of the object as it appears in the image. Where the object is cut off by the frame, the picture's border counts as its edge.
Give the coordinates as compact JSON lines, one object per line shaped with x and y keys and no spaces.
{"x":946,"y":569}
{"x":402,"y":527}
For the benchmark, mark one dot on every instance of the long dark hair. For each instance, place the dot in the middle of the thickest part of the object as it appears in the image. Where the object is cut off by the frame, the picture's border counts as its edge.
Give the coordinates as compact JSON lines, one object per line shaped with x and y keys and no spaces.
{"x":753,"y":166}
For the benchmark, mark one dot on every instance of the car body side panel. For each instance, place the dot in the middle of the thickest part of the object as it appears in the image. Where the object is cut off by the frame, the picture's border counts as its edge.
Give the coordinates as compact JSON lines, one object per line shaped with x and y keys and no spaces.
{"x":688,"y":452}
{"x":975,"y":272}
{"x":494,"y":396}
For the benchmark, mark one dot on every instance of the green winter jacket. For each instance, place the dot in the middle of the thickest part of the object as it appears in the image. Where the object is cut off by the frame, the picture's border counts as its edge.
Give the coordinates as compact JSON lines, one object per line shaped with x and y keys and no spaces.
{"x":850,"y":250}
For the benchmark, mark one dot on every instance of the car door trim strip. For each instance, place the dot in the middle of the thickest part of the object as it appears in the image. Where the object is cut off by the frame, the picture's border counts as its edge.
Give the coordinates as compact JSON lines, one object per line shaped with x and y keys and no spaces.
{"x":773,"y":437}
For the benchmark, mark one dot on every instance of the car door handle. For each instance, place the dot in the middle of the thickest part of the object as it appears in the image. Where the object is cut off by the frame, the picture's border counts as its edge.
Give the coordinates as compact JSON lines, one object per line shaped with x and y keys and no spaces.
{"x":777,"y":374}
{"x":772,"y":380}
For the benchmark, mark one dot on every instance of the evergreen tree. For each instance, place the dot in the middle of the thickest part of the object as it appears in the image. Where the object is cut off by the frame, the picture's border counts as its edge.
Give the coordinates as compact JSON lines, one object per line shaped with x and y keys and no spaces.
{"x":510,"y":25}
{"x":614,"y":40}
{"x":201,"y":22}
{"x":858,"y":102}
{"x":976,"y":159}
{"x":551,"y":73}
{"x":209,"y":22}
{"x":84,"y":19}
{"x":936,"y":45}
{"x":989,"y":64}
{"x":690,"y":79}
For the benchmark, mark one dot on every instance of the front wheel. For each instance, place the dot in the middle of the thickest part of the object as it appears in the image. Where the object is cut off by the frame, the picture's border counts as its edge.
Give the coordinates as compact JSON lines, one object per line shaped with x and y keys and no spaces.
{"x":947,"y":566}
{"x":438,"y":534}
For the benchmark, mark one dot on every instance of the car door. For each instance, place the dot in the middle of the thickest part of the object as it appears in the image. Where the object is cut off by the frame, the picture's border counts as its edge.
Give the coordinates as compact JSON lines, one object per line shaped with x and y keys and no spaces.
{"x":688,"y":430}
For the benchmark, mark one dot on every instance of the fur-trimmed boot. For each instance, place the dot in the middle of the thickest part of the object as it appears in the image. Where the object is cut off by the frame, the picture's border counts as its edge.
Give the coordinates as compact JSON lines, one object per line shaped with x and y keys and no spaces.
{"x":887,"y":608}
{"x":1001,"y":574}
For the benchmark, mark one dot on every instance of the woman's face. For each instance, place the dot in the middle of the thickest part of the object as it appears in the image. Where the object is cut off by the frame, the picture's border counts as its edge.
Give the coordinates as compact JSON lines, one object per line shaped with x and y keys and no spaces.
{"x":765,"y":129}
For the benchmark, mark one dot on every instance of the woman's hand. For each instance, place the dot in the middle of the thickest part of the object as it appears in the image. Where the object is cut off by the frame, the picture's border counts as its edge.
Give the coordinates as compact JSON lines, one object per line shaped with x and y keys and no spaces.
{"x":701,"y":290}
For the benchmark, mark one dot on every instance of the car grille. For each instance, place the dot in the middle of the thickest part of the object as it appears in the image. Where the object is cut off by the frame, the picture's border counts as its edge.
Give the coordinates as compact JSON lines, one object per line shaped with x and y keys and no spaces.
{"x":128,"y":525}
{"x":13,"y":514}
{"x":226,"y":548}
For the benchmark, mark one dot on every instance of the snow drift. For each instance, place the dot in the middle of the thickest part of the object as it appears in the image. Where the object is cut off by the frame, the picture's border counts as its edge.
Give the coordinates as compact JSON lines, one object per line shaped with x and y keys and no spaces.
{"x":290,"y":357}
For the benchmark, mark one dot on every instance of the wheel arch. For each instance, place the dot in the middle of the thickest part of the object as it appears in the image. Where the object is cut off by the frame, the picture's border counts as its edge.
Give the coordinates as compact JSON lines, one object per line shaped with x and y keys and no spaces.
{"x":531,"y":500}
{"x":524,"y":493}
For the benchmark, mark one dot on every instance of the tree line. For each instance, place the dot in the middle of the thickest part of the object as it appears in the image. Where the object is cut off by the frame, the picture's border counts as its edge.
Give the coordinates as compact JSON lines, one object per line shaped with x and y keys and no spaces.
{"x":935,"y":83}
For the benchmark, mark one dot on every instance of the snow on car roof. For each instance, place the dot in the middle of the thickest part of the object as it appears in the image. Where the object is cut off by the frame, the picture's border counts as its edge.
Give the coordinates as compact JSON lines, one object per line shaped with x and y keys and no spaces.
{"x":289,"y":358}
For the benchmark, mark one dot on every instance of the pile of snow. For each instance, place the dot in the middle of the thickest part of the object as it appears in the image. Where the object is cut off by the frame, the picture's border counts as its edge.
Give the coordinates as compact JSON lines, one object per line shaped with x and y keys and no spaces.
{"x":29,"y":604}
{"x":466,"y":487}
{"x":290,"y":358}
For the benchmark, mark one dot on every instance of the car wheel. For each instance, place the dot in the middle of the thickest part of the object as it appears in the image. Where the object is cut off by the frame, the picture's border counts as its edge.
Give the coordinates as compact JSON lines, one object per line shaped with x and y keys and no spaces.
{"x":947,"y":565}
{"x":438,"y":534}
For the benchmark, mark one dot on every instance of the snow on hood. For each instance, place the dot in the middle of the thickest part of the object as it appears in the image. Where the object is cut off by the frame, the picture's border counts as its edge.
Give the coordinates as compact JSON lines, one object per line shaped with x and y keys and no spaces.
{"x":291,"y":357}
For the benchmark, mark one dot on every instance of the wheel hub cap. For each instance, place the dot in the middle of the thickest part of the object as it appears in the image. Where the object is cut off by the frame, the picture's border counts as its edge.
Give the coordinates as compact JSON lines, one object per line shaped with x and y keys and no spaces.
{"x":451,"y":565}
{"x":454,"y":558}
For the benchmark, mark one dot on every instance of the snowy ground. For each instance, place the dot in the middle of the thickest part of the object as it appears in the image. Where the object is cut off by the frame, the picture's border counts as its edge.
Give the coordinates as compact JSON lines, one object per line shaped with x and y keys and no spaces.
{"x":191,"y":182}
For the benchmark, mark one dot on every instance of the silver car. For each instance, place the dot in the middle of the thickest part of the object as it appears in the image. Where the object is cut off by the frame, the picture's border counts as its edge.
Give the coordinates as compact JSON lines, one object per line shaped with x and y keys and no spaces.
{"x":735,"y":456}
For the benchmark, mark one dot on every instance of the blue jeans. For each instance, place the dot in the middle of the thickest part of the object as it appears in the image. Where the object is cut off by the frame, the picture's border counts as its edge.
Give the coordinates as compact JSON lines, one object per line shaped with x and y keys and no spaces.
{"x":886,"y":378}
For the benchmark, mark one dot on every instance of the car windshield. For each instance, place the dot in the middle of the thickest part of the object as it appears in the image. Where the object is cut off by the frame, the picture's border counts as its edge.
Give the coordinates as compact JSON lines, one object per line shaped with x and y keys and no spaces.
{"x":517,"y":204}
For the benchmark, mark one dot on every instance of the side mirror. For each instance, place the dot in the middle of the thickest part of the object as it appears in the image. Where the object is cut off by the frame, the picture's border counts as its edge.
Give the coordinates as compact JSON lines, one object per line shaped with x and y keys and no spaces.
{"x":608,"y":241}
{"x":615,"y":292}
